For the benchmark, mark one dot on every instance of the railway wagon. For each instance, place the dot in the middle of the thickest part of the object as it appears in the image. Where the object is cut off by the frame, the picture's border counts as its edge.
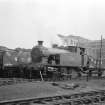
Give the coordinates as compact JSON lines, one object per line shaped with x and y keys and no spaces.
{"x":12,"y":63}
{"x":12,"y":57}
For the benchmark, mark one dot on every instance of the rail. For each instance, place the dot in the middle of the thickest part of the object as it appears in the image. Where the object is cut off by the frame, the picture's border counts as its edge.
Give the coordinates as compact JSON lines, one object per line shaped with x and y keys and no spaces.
{"x":96,"y":97}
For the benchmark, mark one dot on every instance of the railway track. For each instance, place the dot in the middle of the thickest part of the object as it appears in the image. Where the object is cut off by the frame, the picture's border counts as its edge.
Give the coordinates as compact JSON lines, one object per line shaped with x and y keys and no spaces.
{"x":83,"y":98}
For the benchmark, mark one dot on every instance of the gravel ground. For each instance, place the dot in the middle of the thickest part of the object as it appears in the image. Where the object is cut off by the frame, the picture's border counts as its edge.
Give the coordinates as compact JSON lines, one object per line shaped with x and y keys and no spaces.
{"x":42,"y":89}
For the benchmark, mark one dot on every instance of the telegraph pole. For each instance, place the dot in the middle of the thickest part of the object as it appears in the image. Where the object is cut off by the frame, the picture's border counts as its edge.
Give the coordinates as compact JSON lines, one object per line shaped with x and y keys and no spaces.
{"x":100,"y":59}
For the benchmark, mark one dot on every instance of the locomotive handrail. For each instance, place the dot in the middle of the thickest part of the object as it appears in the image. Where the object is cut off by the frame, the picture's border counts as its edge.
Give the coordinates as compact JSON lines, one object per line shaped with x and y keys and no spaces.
{"x":58,"y":65}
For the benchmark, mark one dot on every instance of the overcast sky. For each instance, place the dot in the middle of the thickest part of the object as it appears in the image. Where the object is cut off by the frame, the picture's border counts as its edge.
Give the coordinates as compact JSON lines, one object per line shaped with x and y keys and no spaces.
{"x":23,"y":22}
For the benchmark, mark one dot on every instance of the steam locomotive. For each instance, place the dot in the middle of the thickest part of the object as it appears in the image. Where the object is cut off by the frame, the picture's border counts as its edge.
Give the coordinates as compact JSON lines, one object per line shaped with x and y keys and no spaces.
{"x":70,"y":61}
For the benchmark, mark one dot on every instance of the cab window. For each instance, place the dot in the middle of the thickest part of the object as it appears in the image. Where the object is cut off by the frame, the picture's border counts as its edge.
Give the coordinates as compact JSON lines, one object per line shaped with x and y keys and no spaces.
{"x":72,"y":49}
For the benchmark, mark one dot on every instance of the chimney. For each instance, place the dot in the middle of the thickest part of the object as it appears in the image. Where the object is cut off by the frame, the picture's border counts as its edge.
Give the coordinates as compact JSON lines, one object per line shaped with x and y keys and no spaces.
{"x":40,"y":43}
